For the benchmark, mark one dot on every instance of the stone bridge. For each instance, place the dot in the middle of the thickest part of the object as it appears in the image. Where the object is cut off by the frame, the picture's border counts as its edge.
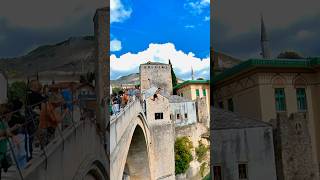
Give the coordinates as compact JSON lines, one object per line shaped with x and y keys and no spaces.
{"x":78,"y":155}
{"x":140,"y":149}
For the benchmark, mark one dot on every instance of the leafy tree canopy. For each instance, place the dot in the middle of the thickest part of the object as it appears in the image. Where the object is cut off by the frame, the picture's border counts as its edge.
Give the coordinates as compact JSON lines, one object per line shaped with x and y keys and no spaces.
{"x":289,"y":55}
{"x":183,"y":155}
{"x":17,"y":90}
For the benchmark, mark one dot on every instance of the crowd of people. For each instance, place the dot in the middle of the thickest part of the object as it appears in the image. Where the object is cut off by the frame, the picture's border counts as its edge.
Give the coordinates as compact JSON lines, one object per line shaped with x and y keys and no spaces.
{"x":120,"y":100}
{"x":33,"y":122}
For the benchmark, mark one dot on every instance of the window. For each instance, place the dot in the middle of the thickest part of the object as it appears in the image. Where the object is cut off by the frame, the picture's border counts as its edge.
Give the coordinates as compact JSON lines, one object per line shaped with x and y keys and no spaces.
{"x":221,"y":104}
{"x":185,"y":115}
{"x":197,"y":92}
{"x":158,"y":116}
{"x":243,"y":171}
{"x":217,"y":173}
{"x":280,"y":99}
{"x":181,"y":94}
{"x":301,"y":99}
{"x":230,"y":105}
{"x":171,"y":116}
{"x":178,"y":116}
{"x":204,"y":92}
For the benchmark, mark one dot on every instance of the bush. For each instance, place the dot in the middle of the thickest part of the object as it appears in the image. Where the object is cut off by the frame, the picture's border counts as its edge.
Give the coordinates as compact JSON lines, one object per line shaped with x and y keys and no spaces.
{"x":201,"y":151}
{"x":17,"y":90}
{"x":290,"y":55}
{"x":116,"y":90}
{"x":202,"y":168}
{"x":183,"y":156}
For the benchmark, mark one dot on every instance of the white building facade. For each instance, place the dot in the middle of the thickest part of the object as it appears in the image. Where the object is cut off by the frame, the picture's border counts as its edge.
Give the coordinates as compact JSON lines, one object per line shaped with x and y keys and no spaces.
{"x":182,"y":111}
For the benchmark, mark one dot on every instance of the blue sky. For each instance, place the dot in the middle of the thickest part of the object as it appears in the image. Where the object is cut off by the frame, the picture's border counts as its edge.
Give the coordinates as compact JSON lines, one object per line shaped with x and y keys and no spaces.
{"x":143,"y":30}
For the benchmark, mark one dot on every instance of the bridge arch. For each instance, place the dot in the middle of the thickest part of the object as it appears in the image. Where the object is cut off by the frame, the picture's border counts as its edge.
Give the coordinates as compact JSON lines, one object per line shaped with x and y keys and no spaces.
{"x":137,"y":159}
{"x":91,"y":169}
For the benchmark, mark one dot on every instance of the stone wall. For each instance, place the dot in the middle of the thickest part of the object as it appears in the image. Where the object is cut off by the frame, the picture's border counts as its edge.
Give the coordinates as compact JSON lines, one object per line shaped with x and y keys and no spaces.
{"x":293,"y":148}
{"x":158,"y":105}
{"x":183,"y":108}
{"x":157,"y":76}
{"x":193,"y":132}
{"x":253,"y":146}
{"x":162,"y":135}
{"x":202,"y":111}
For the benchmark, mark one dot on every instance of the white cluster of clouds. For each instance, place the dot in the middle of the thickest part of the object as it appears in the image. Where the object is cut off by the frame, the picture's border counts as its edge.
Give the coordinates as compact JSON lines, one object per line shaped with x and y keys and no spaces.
{"x":182,"y":62}
{"x":118,"y":12}
{"x":189,"y":26}
{"x":197,"y":6}
{"x":115,"y":45}
{"x":37,"y":14}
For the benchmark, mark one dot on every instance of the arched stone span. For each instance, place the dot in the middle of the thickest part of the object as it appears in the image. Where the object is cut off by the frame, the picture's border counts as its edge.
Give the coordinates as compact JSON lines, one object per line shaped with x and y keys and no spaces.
{"x":91,"y":168}
{"x":137,"y":146}
{"x":138,"y":166}
{"x":131,"y":132}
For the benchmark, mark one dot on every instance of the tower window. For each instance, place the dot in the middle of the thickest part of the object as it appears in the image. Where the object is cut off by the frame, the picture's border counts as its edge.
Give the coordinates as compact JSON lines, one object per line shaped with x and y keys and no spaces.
{"x":230,"y":105}
{"x":158,"y":116}
{"x":301,"y":99}
{"x":243,"y":171}
{"x":220,"y":104}
{"x":178,"y":116}
{"x":217,"y":175}
{"x":185,"y":115}
{"x":280,"y":99}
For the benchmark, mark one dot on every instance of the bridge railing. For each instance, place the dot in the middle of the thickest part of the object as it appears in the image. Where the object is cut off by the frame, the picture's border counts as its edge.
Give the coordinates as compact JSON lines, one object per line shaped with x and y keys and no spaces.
{"x":22,"y":138}
{"x":120,"y":122}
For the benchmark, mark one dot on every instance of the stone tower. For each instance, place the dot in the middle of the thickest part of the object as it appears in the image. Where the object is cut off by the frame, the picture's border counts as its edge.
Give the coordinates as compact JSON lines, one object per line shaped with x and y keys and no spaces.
{"x":265,"y":51}
{"x":154,"y":74}
{"x":293,"y":148}
{"x":102,"y":45}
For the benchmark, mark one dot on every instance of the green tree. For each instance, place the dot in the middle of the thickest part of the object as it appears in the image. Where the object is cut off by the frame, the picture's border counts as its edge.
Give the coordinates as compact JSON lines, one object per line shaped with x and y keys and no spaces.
{"x":289,"y":55}
{"x":201,"y":151}
{"x":203,"y":168}
{"x":173,"y":76}
{"x":116,"y":90}
{"x":183,"y":155}
{"x":17,"y":90}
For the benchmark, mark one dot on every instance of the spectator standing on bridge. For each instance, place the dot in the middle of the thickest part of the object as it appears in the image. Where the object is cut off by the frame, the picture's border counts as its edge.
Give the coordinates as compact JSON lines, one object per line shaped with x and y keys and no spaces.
{"x":5,"y":115}
{"x":125,"y":97}
{"x":33,"y":104}
{"x":122,"y":102}
{"x":115,"y":104}
{"x":50,"y":116}
{"x":17,"y":123}
{"x":67,"y":107}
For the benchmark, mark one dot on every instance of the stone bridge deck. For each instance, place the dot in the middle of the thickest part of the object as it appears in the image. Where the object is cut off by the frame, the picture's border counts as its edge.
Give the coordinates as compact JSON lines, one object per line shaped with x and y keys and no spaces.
{"x":77,"y":153}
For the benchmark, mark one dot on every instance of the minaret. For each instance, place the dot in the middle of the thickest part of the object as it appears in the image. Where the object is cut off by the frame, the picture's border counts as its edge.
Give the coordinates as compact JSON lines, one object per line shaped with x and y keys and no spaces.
{"x":265,"y":51}
{"x":192,"y":74}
